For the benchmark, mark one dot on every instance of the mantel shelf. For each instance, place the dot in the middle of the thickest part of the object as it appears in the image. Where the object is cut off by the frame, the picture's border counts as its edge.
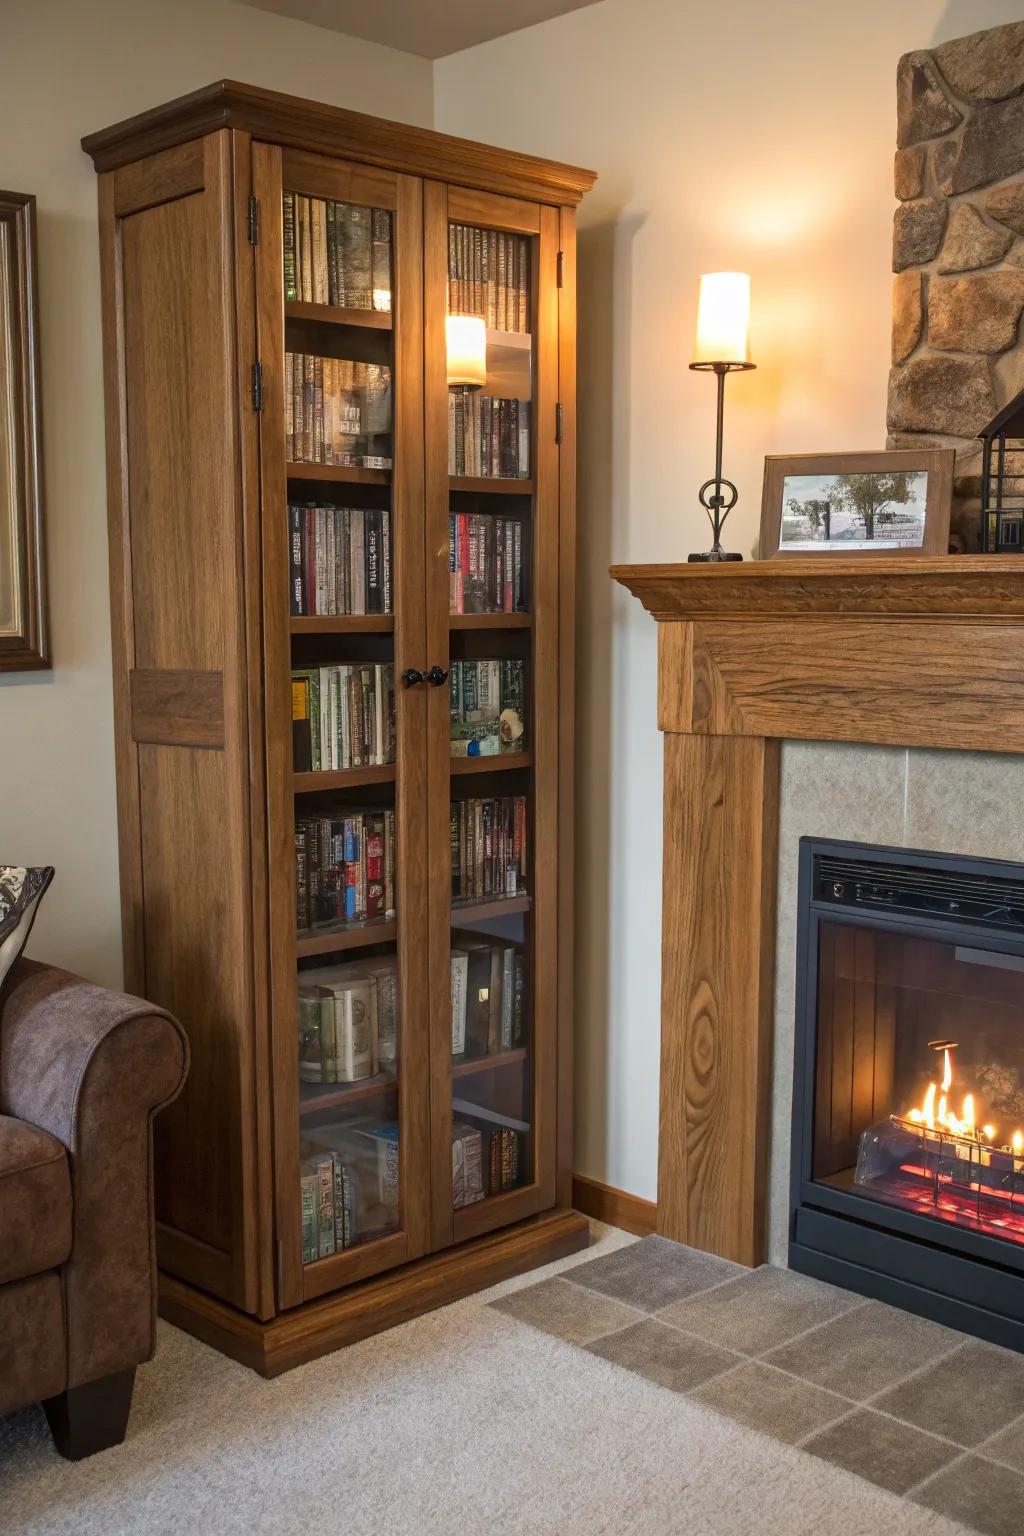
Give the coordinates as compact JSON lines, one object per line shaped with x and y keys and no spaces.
{"x":951,"y":588}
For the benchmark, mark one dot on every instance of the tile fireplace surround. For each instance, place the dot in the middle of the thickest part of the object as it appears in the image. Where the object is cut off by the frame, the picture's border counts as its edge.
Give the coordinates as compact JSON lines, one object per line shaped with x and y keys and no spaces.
{"x":897,"y":688}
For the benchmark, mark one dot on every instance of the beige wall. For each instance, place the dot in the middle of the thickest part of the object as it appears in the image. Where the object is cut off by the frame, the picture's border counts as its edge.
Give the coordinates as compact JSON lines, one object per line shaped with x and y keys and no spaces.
{"x":726,"y":133}
{"x":68,"y":67}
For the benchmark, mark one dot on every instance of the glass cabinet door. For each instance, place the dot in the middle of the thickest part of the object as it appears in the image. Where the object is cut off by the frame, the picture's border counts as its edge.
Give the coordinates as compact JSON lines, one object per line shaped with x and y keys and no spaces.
{"x":339,"y":302}
{"x":492,"y":589}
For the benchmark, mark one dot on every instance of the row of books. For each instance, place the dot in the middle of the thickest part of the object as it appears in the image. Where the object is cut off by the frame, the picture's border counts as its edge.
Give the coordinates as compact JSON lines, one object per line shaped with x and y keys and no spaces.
{"x":488,"y":436}
{"x":489,"y":276}
{"x":488,"y":1153}
{"x":337,"y":411}
{"x":343,"y":716}
{"x":349,"y":1187}
{"x":348,"y":1021}
{"x":340,"y":559}
{"x":488,"y":842}
{"x":488,"y":995}
{"x":485,"y":564}
{"x":488,"y":707}
{"x":345,"y":868}
{"x":336,"y":253}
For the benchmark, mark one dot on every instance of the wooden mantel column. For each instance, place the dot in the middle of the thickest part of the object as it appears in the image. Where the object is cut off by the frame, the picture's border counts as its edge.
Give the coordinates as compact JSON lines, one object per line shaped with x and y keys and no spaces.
{"x":917,"y":651}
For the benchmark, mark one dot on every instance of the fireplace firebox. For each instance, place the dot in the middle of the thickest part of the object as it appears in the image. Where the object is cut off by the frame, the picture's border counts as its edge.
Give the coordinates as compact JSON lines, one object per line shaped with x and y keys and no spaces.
{"x":908,"y":1108}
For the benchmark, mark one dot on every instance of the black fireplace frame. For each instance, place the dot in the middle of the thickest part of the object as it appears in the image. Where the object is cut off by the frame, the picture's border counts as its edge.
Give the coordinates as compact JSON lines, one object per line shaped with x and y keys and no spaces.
{"x":964,"y":1279}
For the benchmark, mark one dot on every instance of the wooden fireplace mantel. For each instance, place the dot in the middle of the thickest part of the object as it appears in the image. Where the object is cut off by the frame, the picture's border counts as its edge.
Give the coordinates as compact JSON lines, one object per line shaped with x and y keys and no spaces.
{"x":915,"y":651}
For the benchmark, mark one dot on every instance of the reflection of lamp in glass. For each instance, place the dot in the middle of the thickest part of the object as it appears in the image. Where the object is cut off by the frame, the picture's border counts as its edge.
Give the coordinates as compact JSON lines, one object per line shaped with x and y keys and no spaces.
{"x":721,"y":347}
{"x":466,"y":339}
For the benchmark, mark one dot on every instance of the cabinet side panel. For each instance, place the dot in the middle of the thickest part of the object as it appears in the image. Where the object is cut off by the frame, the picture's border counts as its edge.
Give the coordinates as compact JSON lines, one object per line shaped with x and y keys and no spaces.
{"x":183,"y":521}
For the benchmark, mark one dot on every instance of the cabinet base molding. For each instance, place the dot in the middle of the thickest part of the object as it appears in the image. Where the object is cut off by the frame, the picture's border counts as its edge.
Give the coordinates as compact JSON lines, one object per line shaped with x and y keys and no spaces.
{"x":319,"y":1327}
{"x":615,"y":1207}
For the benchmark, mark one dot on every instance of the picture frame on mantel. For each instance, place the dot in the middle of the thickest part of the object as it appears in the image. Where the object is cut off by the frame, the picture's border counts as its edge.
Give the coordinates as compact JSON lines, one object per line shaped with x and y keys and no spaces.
{"x":893,"y":502}
{"x":24,"y":636}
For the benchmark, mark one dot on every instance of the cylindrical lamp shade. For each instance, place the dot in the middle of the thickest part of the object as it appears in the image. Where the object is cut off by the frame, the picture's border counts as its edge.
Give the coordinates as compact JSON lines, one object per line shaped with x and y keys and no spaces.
{"x":723,"y":318}
{"x":466,"y":338}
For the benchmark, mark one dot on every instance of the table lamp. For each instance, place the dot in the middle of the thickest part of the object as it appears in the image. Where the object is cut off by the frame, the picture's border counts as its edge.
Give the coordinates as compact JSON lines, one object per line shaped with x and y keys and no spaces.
{"x":721,"y":346}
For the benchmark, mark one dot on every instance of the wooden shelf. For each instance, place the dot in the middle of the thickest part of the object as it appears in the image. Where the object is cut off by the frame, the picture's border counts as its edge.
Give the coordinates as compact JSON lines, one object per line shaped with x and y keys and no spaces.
{"x":493,"y":484}
{"x":489,"y":620}
{"x":343,"y":778}
{"x":469,"y":1066}
{"x":497,"y":906}
{"x":335,"y":314}
{"x":500,"y":762}
{"x":324,"y":941}
{"x":342,"y":624}
{"x":314,"y":1097}
{"x":344,"y":474}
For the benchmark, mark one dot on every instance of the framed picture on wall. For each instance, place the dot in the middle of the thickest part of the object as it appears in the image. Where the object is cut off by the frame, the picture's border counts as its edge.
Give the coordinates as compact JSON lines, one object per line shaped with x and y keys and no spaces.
{"x":889,"y":503}
{"x":24,"y":641}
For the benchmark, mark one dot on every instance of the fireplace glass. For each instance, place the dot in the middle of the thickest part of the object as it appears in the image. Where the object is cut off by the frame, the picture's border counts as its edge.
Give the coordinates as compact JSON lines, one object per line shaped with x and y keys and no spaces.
{"x":919,"y":1082}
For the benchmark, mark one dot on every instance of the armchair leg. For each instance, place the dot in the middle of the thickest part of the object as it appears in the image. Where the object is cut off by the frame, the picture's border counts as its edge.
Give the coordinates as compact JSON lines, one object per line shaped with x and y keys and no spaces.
{"x":84,"y":1420}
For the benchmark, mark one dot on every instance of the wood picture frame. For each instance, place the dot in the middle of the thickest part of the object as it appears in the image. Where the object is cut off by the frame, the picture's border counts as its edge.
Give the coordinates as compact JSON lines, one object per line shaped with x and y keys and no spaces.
{"x":831,"y":490}
{"x":24,"y":635}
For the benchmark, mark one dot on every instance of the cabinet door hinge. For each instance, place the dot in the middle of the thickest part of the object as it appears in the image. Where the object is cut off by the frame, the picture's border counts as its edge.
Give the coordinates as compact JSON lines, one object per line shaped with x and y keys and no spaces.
{"x":558,"y":423}
{"x":560,"y":270}
{"x":257,"y":386}
{"x":254,"y":220}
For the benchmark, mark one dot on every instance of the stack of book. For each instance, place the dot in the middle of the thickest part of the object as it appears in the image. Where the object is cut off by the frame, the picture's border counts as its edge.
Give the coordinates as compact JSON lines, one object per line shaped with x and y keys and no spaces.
{"x":489,"y":276}
{"x":485,"y":564}
{"x":340,"y":560}
{"x":336,"y":253}
{"x":343,"y":716}
{"x":344,"y":868}
{"x":488,"y":707}
{"x":348,"y":1021}
{"x":337,"y":411}
{"x":488,"y":996}
{"x":349,"y":1182}
{"x":488,"y":437}
{"x":488,"y":840}
{"x":488,"y":1153}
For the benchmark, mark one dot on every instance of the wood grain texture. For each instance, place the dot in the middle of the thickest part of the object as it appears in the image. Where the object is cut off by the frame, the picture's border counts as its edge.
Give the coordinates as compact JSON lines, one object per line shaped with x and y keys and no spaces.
{"x":718,"y":924}
{"x":485,"y":210}
{"x":322,"y":129}
{"x":177,"y":708}
{"x":615,"y":1207}
{"x":344,"y":180}
{"x":159,"y":178}
{"x":938,"y":588}
{"x":305,"y":1333}
{"x":906,"y":683}
{"x":566,"y":698}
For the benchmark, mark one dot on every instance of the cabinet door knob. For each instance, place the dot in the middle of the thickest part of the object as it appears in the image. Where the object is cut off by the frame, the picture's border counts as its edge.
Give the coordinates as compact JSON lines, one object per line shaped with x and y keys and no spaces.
{"x":411,"y":677}
{"x":436,"y":676}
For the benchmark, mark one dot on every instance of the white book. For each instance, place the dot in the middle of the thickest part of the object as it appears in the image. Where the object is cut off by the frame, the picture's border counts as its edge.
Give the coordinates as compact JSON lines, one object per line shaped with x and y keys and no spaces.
{"x":326,"y":760}
{"x":333,"y":718}
{"x":460,"y":981}
{"x":344,"y":675}
{"x":378,"y":713}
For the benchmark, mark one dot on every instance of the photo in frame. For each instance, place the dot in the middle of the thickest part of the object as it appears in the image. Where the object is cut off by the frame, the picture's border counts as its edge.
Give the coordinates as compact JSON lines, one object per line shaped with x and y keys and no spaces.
{"x":893,"y":502}
{"x":24,"y":641}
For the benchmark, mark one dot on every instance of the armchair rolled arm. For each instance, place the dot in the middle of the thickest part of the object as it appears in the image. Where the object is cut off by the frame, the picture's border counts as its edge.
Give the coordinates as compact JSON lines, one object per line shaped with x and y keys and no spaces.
{"x":92,"y":1067}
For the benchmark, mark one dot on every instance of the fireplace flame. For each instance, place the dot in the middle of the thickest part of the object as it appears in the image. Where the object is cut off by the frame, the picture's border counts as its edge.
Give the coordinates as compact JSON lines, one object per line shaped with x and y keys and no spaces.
{"x":935,"y":1113}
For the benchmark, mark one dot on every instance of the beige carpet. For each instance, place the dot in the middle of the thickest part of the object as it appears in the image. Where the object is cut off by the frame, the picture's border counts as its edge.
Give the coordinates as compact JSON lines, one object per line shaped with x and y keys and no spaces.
{"x":465,"y":1421}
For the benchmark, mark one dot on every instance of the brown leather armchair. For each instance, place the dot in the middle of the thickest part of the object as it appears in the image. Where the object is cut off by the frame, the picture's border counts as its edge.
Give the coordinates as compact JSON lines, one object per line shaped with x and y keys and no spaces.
{"x":83,"y":1070}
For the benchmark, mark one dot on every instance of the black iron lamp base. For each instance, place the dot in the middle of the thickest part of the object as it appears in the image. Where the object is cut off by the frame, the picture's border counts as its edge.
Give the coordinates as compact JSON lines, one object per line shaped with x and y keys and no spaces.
{"x":718,"y":495}
{"x":712,"y":557}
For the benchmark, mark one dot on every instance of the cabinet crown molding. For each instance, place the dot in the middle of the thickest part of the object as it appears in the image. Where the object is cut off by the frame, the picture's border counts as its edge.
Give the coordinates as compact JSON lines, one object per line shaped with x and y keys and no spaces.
{"x":312,"y":125}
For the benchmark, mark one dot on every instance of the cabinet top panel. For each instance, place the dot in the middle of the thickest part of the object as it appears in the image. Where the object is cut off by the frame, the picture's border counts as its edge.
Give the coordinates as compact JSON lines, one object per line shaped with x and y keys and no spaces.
{"x":292,"y":120}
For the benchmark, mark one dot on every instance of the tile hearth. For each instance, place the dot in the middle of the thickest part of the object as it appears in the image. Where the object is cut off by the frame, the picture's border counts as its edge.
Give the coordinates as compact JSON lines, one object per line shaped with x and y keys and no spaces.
{"x":918,"y":1409}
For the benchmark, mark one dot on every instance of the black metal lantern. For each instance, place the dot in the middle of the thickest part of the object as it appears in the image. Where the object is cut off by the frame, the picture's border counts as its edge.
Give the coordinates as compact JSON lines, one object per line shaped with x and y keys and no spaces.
{"x":1002,"y":481}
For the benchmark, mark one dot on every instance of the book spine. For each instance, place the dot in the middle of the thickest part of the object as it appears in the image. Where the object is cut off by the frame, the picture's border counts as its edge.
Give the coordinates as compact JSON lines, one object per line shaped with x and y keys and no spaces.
{"x":291,"y":292}
{"x":326,"y":1241}
{"x":296,"y":581}
{"x":310,"y":1245}
{"x":381,"y":259}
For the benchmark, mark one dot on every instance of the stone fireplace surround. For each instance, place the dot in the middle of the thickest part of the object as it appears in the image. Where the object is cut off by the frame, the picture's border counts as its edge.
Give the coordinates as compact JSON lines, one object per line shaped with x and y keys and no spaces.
{"x":890,"y":692}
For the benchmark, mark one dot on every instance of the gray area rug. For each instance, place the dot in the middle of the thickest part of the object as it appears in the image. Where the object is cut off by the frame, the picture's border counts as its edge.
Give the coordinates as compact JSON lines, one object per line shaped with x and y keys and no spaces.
{"x":463,"y":1421}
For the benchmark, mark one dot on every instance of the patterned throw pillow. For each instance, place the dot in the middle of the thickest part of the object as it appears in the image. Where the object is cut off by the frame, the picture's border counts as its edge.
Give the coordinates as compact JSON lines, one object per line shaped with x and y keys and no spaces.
{"x":21,"y":891}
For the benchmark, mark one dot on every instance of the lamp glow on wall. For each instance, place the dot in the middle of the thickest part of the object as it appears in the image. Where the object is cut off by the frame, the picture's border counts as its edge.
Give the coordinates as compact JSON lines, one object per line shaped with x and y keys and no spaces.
{"x":722,"y":346}
{"x":466,"y":344}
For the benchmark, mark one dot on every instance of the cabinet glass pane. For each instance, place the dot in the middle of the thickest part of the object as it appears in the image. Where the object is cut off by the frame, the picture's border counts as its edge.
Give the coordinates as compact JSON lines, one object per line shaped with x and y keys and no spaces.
{"x":339,"y":414}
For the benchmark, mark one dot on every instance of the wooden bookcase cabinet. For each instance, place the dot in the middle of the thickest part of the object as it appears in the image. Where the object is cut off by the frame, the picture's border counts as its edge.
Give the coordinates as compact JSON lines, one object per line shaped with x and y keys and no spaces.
{"x":195,"y":334}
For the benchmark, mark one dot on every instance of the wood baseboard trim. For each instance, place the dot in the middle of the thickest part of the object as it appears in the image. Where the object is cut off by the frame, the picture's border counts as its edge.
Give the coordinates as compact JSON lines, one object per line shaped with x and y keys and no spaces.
{"x":319,"y":1327}
{"x":614,"y":1206}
